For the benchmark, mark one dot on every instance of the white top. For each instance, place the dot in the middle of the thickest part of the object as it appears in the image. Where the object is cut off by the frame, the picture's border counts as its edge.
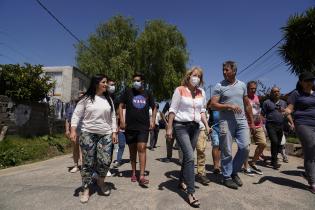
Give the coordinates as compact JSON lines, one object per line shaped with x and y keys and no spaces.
{"x":185,"y":107}
{"x":157,"y":117}
{"x":97,"y":116}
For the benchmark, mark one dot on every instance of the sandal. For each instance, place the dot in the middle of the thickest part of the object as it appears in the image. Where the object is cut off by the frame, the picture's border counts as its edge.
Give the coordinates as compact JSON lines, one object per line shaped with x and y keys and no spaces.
{"x":133,"y":178}
{"x":182,"y":186}
{"x":143,"y":182}
{"x":195,"y":203}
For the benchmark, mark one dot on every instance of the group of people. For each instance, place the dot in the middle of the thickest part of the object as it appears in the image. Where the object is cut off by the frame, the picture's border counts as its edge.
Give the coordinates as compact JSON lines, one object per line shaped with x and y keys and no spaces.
{"x":232,"y":114}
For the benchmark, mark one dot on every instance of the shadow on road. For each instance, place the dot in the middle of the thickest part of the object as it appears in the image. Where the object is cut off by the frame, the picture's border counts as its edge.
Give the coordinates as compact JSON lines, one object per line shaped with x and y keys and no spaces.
{"x":283,"y":181}
{"x":293,"y":173}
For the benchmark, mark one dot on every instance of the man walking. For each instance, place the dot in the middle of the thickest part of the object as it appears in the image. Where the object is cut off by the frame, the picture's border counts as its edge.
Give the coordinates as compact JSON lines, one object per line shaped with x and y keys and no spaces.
{"x":137,"y":125}
{"x":230,"y":98}
{"x":273,"y":109}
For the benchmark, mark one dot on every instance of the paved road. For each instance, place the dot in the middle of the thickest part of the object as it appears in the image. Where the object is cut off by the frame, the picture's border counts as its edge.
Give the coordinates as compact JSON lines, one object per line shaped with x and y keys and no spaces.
{"x":49,"y":185}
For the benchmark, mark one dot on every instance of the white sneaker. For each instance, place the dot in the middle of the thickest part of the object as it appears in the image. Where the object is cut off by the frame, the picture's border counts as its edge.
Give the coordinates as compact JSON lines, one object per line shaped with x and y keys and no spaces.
{"x":108,"y":173}
{"x":74,"y":169}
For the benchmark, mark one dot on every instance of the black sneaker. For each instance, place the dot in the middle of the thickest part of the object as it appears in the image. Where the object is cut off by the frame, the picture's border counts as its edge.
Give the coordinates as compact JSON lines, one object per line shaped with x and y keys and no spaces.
{"x":248,"y":172}
{"x":275,"y":165}
{"x":237,"y":180}
{"x":202,"y":179}
{"x":256,"y":169}
{"x":230,"y":184}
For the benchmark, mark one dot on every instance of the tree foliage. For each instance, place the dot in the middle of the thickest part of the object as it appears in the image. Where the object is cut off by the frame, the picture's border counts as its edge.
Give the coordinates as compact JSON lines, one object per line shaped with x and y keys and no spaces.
{"x":24,"y":83}
{"x":111,"y":50}
{"x":162,"y":57}
{"x":116,"y":50}
{"x":298,"y":48}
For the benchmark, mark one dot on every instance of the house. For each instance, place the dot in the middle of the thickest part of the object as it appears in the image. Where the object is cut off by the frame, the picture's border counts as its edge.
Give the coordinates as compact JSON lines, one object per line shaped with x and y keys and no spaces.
{"x":69,"y":81}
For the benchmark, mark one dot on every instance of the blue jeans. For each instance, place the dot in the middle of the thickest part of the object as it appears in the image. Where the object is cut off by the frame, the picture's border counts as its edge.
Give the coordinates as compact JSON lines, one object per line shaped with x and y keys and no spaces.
{"x":187,"y":135}
{"x":229,"y":130}
{"x":121,"y":146}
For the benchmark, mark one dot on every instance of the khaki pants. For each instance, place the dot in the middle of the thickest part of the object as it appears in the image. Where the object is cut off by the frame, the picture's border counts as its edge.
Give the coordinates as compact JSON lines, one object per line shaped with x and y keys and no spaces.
{"x":201,"y":152}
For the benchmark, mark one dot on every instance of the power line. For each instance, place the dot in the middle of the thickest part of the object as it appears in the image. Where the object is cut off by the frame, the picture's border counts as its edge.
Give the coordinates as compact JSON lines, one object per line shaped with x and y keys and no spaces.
{"x":68,"y":30}
{"x":270,"y":70}
{"x":247,"y":67}
{"x":56,"y":19}
{"x":15,"y":50}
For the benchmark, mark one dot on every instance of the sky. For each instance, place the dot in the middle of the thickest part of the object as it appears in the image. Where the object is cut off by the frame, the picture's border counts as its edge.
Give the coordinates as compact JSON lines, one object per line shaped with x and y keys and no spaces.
{"x":215,"y":31}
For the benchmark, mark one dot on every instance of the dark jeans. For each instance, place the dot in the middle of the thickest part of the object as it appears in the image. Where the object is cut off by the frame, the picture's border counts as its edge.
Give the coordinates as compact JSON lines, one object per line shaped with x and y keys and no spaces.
{"x":187,"y":135}
{"x":306,"y":135}
{"x":154,"y":134}
{"x":121,"y":145}
{"x":275,"y":133}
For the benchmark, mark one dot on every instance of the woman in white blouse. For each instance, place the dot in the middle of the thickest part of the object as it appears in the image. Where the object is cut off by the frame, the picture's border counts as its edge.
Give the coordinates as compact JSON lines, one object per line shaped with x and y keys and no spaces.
{"x":186,"y":111}
{"x":99,"y":132}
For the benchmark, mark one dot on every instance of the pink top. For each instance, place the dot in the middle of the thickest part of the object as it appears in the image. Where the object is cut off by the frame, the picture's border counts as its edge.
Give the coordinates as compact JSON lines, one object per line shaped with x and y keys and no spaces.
{"x":256,"y":111}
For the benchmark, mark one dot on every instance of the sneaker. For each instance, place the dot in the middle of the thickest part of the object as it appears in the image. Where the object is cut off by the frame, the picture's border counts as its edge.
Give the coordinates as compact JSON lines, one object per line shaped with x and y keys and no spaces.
{"x":108,"y":173}
{"x":116,"y":164}
{"x":74,"y":169}
{"x":230,"y":184}
{"x":248,"y":172}
{"x":312,"y":188}
{"x":106,"y":189}
{"x":217,"y":171}
{"x":85,"y":195}
{"x":275,"y":165}
{"x":256,"y":169}
{"x":237,"y":180}
{"x":285,"y":159}
{"x":202,"y":179}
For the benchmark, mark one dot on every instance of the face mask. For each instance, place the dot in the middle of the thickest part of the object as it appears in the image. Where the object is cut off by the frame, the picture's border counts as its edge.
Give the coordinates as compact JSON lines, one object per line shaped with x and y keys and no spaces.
{"x":194,"y":81}
{"x":111,"y":89}
{"x":137,"y":85}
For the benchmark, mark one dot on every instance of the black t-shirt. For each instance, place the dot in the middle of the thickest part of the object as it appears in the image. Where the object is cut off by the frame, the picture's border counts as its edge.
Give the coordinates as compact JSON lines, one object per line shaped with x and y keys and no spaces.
{"x":137,"y":108}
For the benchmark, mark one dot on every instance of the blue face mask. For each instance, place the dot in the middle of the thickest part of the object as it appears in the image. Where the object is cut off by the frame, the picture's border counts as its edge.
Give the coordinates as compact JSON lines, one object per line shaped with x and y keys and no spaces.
{"x":137,"y":85}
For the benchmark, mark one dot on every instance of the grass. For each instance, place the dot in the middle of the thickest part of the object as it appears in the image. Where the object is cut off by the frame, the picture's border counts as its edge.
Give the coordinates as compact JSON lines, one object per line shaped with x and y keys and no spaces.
{"x":16,"y":150}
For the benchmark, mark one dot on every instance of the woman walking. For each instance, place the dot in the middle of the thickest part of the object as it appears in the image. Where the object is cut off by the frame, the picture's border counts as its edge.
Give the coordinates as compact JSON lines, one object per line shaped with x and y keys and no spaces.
{"x":302,"y":104}
{"x":186,"y":111}
{"x":98,"y":133}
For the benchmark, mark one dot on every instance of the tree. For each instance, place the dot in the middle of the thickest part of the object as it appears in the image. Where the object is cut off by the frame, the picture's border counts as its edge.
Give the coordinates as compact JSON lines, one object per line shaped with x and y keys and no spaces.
{"x":24,"y":83}
{"x":110,"y":50}
{"x":162,"y":57}
{"x":298,"y":48}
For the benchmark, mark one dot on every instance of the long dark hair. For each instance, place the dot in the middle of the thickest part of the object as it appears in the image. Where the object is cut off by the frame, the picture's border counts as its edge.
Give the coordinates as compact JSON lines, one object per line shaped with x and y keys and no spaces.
{"x":90,"y":93}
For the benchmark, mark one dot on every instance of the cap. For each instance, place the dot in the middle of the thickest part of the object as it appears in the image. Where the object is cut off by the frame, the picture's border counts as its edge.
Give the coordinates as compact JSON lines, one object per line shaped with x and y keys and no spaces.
{"x":306,"y":76}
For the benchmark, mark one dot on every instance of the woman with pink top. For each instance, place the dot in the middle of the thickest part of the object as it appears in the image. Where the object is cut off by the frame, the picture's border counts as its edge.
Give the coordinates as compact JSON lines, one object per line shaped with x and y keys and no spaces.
{"x":186,"y":111}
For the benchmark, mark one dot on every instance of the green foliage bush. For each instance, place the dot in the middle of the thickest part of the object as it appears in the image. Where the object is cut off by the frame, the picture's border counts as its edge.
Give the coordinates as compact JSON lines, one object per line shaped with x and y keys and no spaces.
{"x":15,"y":150}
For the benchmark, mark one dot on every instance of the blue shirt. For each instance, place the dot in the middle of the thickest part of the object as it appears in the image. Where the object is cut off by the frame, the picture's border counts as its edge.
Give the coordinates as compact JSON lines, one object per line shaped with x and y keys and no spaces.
{"x":272,"y":111}
{"x":231,"y":94}
{"x":304,"y":107}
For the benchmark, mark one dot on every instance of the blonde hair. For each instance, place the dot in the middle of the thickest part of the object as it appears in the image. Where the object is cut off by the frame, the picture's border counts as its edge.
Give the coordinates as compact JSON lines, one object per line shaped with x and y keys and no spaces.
{"x":186,"y":79}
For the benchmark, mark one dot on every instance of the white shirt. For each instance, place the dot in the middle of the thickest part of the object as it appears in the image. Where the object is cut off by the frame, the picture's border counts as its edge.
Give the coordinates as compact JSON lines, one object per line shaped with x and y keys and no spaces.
{"x":97,"y":116}
{"x":185,"y":107}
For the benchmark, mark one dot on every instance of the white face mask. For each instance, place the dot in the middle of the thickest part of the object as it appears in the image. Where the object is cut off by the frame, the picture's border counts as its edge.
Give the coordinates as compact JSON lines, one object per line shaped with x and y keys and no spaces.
{"x":137,"y":85}
{"x":194,"y":81}
{"x":111,"y":89}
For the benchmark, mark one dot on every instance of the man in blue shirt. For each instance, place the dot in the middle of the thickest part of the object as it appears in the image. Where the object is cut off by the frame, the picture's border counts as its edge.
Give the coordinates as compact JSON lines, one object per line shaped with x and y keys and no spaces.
{"x":230,"y":98}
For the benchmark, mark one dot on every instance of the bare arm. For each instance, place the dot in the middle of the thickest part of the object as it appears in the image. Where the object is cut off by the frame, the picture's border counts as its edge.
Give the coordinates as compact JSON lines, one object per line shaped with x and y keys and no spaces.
{"x":169,"y":129}
{"x":121,"y":116}
{"x":249,"y":111}
{"x":152,"y":123}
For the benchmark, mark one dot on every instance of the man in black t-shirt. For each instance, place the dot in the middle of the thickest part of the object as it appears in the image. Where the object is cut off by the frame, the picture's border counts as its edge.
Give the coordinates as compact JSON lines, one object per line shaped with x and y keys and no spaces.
{"x":137,"y":125}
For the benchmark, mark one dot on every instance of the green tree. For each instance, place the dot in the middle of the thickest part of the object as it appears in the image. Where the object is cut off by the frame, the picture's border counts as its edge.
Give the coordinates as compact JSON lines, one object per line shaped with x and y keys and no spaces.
{"x":110,"y":50}
{"x":298,"y":48}
{"x":162,"y":57}
{"x":25,"y":83}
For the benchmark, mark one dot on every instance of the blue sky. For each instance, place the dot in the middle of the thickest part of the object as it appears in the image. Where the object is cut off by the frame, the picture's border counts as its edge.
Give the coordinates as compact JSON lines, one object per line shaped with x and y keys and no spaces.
{"x":215,"y":31}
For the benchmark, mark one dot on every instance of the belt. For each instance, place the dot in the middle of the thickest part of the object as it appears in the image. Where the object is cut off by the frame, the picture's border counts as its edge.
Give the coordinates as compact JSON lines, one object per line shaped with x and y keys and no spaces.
{"x":185,"y":123}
